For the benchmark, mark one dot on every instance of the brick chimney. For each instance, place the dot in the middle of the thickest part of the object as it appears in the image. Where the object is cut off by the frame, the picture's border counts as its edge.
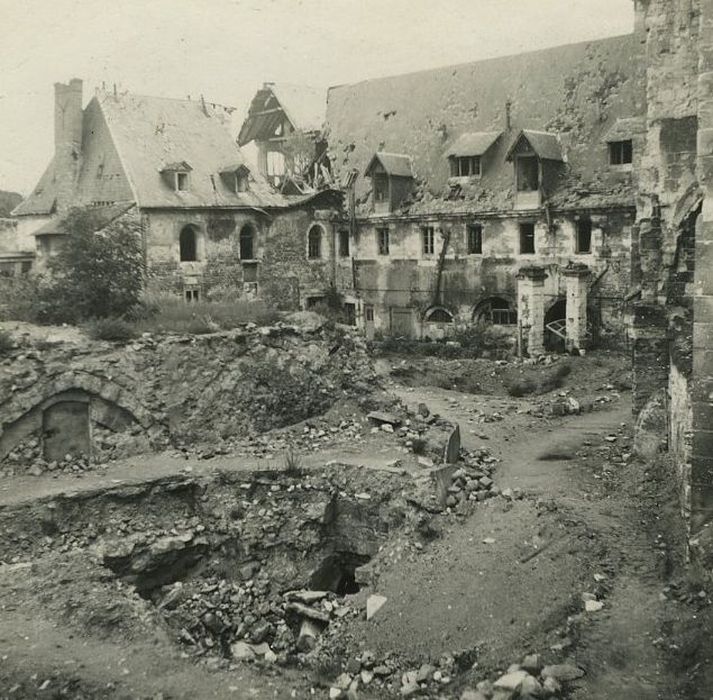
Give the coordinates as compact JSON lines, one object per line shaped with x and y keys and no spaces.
{"x":67,"y":140}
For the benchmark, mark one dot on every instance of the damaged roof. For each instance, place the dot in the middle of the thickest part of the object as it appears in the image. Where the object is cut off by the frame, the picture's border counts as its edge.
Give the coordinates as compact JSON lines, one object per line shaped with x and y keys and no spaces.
{"x":545,"y":146}
{"x":573,"y":93}
{"x":394,"y":164}
{"x":104,"y":215}
{"x":303,"y":106}
{"x":128,"y":141}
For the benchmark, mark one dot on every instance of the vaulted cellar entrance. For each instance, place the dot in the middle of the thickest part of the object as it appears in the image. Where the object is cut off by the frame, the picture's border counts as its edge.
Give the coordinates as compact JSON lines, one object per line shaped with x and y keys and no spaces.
{"x":65,"y":430}
{"x":555,"y":325}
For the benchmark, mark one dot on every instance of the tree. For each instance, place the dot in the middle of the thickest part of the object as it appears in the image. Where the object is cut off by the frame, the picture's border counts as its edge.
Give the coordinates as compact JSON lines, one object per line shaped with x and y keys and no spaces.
{"x":98,"y":271}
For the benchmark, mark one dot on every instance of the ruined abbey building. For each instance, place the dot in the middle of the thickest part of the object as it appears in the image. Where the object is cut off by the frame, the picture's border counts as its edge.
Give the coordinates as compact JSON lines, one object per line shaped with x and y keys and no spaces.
{"x":209,"y":222}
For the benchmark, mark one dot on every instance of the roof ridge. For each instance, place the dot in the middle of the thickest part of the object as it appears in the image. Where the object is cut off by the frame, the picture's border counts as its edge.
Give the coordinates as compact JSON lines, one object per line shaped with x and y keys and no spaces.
{"x":161,"y":97}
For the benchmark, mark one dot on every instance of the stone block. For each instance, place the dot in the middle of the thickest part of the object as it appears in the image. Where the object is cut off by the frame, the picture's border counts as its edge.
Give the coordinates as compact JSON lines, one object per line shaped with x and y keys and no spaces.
{"x":703,"y":448}
{"x":703,"y":334}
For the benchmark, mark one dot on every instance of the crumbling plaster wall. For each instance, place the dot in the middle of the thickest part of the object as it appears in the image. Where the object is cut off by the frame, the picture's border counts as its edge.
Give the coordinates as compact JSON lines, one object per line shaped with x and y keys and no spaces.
{"x":406,"y":277}
{"x":182,"y":389}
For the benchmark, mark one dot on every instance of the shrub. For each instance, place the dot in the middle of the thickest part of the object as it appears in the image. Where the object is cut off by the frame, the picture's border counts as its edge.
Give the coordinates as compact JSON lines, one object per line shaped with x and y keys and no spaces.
{"x":293,"y":464}
{"x":521,"y":387}
{"x":110,"y":329}
{"x":98,"y":271}
{"x":6,"y":342}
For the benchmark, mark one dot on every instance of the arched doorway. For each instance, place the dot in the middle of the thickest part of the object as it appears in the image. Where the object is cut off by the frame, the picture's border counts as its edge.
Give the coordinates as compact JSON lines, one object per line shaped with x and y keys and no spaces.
{"x":555,"y":326}
{"x":188,"y":244}
{"x":496,"y":311}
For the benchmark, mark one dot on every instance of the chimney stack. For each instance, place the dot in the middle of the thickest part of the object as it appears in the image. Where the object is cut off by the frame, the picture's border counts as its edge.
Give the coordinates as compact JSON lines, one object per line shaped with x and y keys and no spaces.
{"x":67,"y":140}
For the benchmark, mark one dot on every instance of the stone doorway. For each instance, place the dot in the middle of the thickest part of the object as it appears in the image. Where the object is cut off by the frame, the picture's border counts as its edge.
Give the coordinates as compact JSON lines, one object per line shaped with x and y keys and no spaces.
{"x":65,"y":430}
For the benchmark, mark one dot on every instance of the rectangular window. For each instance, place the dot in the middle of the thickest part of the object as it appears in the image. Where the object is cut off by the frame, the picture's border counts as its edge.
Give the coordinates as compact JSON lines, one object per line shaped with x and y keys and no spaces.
{"x":382,"y":239}
{"x":428,"y":238}
{"x":528,"y":173}
{"x":369,"y":313}
{"x":474,"y":233}
{"x":381,"y":188}
{"x":527,"y":239}
{"x":191,"y":294}
{"x":465,"y":166}
{"x":344,"y":244}
{"x":181,"y":182}
{"x":621,"y":153}
{"x":583,"y":241}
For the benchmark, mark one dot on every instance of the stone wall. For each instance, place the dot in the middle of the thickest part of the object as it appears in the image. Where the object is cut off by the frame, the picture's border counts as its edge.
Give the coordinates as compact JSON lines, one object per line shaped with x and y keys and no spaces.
{"x":109,"y":400}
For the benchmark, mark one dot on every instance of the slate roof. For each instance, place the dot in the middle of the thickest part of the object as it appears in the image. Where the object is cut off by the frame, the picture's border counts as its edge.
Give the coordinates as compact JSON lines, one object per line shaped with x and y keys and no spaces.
{"x":395,"y":164}
{"x":546,"y":146}
{"x":473,"y":144}
{"x":303,"y":105}
{"x":104,"y":216}
{"x":576,"y":92}
{"x":152,"y":135}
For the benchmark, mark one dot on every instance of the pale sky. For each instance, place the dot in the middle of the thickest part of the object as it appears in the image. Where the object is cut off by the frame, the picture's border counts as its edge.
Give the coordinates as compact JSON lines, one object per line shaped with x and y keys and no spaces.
{"x":225,"y":49}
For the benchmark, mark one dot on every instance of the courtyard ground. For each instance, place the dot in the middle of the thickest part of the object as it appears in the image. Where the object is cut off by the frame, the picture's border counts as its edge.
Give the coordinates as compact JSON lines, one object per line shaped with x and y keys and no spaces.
{"x":578,"y":560}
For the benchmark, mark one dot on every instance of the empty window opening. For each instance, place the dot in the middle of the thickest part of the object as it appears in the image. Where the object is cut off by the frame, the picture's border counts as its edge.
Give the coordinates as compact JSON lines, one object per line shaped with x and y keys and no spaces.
{"x":527,"y":238}
{"x":382,"y":240}
{"x":241,"y":183}
{"x":188,"y":244}
{"x":275,"y":164}
{"x":247,"y":243}
{"x":528,"y":173}
{"x":350,"y":313}
{"x":344,"y":244}
{"x":428,"y":238}
{"x":439,"y":316}
{"x":474,"y":234}
{"x":465,"y":166}
{"x":583,"y":241}
{"x":381,"y":187}
{"x":191,"y":294}
{"x":496,"y":311}
{"x":311,"y":302}
{"x":369,"y":313}
{"x":181,"y":182}
{"x":621,"y":152}
{"x":314,"y":243}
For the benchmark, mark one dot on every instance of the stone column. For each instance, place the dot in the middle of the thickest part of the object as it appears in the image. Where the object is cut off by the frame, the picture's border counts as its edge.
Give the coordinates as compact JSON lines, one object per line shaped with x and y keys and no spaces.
{"x":531,"y":308}
{"x":577,"y":279}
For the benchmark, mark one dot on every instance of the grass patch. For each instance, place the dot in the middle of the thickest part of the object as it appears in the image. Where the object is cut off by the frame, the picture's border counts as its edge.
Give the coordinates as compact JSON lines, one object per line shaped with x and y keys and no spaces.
{"x":110,"y":329}
{"x":6,"y":342}
{"x":169,"y":314}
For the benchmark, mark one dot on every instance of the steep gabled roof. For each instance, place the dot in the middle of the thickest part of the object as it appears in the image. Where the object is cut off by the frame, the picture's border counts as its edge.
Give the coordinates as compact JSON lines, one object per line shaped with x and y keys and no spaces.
{"x":545,"y":146}
{"x":395,"y":164}
{"x":473,"y":144}
{"x":43,"y":199}
{"x":575,"y":91}
{"x":302,"y":105}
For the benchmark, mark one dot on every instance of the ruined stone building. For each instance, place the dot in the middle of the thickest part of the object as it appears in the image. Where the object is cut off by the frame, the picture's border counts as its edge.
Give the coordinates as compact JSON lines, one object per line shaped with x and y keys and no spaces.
{"x":285,"y":123}
{"x":497,"y":192}
{"x":208,"y":222}
{"x":672,"y":265}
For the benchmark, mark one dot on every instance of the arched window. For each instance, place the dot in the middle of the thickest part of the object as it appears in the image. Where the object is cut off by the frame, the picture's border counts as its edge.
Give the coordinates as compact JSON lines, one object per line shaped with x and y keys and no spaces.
{"x":495,"y":310}
{"x":247,"y":242}
{"x":314,"y":243}
{"x":439,"y":315}
{"x":188,"y":243}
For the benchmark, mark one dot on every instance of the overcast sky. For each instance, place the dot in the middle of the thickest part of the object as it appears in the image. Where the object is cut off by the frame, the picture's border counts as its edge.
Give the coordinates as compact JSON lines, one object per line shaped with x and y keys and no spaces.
{"x":224,"y":49}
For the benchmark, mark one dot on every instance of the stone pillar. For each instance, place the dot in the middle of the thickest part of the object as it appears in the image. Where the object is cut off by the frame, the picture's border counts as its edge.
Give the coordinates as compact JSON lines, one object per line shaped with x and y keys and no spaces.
{"x":577,"y":279}
{"x":531,"y":308}
{"x":650,"y":355}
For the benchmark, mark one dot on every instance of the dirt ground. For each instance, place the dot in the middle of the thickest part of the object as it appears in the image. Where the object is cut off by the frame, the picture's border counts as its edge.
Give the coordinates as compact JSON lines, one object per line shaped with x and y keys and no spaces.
{"x":581,"y":519}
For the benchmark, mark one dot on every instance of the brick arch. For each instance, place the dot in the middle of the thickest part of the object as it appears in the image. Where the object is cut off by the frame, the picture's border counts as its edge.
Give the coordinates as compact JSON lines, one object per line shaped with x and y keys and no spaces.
{"x":22,"y":413}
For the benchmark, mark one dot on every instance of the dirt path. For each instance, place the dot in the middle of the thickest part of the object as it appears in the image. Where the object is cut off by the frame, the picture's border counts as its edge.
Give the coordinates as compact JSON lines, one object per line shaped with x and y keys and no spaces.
{"x":560,"y":460}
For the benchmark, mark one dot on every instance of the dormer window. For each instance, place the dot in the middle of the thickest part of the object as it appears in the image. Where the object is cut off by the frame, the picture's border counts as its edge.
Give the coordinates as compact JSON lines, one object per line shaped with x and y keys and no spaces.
{"x":391,"y":180}
{"x":621,"y":152}
{"x":467,"y":152}
{"x":465,"y":166}
{"x":527,"y":173}
{"x":177,"y":176}
{"x":236,"y":178}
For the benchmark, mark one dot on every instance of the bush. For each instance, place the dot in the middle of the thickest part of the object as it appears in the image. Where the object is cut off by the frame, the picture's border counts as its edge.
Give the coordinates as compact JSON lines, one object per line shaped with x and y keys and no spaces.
{"x":6,"y":342}
{"x":110,"y":329}
{"x":97,"y":273}
{"x":521,"y":387}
